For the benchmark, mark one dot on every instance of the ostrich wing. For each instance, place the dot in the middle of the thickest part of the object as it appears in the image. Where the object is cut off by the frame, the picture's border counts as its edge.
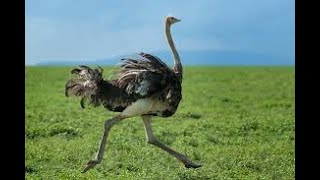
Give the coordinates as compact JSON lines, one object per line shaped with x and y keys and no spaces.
{"x":144,"y":76}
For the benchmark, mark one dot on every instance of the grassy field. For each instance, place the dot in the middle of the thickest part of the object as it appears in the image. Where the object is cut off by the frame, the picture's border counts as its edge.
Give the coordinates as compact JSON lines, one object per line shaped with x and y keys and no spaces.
{"x":237,"y":122}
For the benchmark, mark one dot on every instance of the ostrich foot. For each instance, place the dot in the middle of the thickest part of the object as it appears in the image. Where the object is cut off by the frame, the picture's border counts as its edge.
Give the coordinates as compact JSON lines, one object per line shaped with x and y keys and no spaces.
{"x":90,"y":165}
{"x":191,"y":165}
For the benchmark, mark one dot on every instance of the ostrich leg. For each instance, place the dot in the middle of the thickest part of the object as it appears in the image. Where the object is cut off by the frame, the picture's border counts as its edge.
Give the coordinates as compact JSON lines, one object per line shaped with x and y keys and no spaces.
{"x":107,"y":127}
{"x":152,"y":140}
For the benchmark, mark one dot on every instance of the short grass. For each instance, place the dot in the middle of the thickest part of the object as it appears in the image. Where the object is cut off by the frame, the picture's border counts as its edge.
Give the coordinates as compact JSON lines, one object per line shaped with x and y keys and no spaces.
{"x":237,"y":122}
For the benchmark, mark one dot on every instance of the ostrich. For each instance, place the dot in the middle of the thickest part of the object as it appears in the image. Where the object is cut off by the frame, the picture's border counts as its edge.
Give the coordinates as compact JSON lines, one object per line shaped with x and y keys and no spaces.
{"x":144,"y":86}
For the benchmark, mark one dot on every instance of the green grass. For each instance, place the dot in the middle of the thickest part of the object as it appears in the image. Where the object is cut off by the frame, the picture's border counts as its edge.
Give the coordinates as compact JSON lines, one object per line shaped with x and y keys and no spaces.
{"x":237,"y":122}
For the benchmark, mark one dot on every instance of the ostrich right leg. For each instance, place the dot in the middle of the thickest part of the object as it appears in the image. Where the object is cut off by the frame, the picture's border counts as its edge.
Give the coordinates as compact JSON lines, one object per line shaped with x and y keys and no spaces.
{"x":154,"y":141}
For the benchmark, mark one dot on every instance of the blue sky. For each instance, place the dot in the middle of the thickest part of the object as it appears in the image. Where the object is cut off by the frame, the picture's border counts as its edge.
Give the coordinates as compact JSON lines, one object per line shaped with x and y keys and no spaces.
{"x":98,"y":29}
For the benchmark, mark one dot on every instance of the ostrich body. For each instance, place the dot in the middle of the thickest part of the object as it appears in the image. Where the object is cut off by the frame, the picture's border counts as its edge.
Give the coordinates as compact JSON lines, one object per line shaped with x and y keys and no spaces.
{"x":145,"y":86}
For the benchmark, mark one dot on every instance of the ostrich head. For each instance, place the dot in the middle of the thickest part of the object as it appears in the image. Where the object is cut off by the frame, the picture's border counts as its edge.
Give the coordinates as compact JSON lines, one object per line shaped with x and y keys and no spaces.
{"x":171,"y":20}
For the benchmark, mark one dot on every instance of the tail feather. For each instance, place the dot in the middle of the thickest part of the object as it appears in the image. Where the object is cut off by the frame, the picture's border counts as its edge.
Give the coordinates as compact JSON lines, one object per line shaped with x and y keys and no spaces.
{"x":85,"y":84}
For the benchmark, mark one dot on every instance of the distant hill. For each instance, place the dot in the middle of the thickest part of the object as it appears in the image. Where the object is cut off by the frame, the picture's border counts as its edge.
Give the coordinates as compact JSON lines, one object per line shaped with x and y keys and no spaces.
{"x":192,"y":58}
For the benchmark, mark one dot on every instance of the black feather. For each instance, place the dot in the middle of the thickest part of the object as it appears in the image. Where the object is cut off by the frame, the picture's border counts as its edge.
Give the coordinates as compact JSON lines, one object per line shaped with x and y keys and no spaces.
{"x":143,"y":77}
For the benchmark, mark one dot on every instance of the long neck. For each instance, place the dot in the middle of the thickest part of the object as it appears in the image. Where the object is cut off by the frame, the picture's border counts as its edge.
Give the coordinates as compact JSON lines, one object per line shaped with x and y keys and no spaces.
{"x":177,"y":63}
